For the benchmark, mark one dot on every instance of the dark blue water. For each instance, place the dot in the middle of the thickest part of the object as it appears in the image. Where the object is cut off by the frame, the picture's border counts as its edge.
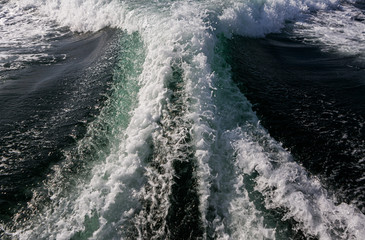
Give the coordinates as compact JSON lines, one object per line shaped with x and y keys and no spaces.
{"x":311,"y":101}
{"x":45,"y":109}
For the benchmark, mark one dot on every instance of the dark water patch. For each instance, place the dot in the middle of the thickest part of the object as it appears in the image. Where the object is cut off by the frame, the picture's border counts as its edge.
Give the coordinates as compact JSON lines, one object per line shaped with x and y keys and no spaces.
{"x":172,"y":206}
{"x":313,"y":102}
{"x":360,"y":4}
{"x":45,"y":108}
{"x":184,"y":219}
{"x":184,"y":216}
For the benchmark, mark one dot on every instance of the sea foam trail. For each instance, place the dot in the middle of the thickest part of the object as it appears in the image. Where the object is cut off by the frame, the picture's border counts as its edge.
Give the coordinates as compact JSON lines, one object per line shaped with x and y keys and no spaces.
{"x":130,"y":191}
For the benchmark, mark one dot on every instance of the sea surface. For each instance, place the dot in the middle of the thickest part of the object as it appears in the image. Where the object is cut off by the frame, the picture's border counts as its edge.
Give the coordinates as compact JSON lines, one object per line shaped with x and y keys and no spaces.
{"x":182,"y":119}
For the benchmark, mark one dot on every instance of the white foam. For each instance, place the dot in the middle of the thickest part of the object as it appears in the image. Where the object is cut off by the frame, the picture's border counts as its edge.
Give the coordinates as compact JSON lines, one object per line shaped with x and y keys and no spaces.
{"x":258,"y":18}
{"x":249,"y":18}
{"x":286,"y":185}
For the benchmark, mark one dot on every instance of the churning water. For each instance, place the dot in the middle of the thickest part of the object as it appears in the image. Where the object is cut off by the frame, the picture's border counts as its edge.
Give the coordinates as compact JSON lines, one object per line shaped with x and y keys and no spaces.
{"x":182,"y":119}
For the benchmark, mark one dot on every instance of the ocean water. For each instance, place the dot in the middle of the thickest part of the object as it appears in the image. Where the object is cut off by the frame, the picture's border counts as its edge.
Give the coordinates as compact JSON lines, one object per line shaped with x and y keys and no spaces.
{"x":182,"y":119}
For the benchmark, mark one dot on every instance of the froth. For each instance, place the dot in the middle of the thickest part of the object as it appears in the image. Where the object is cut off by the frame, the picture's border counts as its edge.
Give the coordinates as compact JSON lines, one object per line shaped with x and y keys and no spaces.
{"x":248,"y":18}
{"x":285,"y":184}
{"x":340,"y":30}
